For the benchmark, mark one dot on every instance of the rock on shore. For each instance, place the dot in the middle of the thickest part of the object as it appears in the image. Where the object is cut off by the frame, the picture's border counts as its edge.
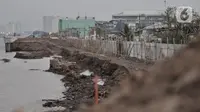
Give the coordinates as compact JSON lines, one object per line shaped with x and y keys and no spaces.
{"x":5,"y":60}
{"x":32,"y":55}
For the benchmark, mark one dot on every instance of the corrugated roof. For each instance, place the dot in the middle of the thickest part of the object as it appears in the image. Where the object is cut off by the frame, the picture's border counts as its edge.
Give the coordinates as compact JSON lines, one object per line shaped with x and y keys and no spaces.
{"x":128,"y":13}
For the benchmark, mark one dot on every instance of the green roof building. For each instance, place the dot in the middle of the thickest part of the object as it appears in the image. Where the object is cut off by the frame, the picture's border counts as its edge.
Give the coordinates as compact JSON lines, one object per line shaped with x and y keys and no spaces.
{"x":81,"y":26}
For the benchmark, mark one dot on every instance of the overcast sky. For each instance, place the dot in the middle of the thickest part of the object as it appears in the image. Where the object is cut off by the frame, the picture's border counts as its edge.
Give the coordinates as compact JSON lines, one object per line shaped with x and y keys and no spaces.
{"x":30,"y":12}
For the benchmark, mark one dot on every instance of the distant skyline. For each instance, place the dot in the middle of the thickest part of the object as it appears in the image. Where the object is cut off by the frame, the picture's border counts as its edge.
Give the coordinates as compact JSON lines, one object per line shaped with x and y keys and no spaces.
{"x":30,"y":12}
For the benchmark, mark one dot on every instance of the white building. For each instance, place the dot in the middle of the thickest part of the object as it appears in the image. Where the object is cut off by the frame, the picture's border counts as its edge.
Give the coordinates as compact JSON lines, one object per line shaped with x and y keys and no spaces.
{"x":142,"y":18}
{"x":2,"y":29}
{"x":13,"y":27}
{"x":50,"y":23}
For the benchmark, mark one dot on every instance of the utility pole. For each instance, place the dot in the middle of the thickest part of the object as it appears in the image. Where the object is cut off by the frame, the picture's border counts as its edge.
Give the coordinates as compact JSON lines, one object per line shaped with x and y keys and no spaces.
{"x":139,"y":26}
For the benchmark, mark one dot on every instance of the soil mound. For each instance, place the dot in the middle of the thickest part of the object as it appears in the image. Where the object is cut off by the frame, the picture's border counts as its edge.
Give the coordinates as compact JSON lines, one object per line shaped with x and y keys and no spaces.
{"x":169,"y":86}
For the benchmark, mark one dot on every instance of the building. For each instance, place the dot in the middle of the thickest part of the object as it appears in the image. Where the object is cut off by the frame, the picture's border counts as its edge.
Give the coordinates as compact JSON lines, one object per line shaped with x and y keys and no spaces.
{"x":140,"y":18}
{"x":18,"y":27}
{"x":50,"y":23}
{"x":79,"y":27}
{"x":107,"y":25}
{"x":13,"y":27}
{"x":2,"y":29}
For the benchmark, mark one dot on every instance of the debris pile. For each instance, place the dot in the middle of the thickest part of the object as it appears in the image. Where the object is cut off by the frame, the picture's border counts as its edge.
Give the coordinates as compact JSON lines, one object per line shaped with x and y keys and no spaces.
{"x":79,"y":70}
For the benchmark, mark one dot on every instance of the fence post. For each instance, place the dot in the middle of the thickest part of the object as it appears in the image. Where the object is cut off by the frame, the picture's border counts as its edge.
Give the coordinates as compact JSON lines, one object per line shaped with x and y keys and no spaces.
{"x":167,"y":45}
{"x":137,"y":49}
{"x":141,"y":49}
{"x":174,"y":43}
{"x":155,"y":46}
{"x":160,"y":53}
{"x":134,"y":48}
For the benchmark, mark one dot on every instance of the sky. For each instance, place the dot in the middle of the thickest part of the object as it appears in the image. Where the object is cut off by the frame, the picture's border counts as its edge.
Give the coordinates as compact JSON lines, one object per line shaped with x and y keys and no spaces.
{"x":30,"y":12}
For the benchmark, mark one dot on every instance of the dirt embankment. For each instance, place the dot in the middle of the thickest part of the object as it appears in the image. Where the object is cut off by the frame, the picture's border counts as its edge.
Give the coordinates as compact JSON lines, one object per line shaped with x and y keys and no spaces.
{"x":34,"y":48}
{"x":80,"y":88}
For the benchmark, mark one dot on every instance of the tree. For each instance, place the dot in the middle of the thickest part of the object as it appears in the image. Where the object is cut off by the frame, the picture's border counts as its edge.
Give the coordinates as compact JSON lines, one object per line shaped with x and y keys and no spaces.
{"x":127,"y":33}
{"x":170,"y":16}
{"x":100,"y":32}
{"x":177,"y":32}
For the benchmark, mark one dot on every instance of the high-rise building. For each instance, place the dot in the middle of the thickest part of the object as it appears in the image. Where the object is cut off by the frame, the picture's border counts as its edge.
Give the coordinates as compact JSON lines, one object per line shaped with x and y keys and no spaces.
{"x":13,"y":27}
{"x":50,"y":23}
{"x":2,"y":29}
{"x":18,"y":27}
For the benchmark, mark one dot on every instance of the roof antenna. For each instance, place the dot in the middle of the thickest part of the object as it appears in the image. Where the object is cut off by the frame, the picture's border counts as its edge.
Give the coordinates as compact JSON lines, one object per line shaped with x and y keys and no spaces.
{"x":165,"y":3}
{"x":85,"y":15}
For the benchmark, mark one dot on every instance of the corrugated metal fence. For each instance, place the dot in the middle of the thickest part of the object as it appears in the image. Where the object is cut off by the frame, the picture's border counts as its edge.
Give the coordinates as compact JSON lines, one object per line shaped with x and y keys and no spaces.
{"x":141,"y":50}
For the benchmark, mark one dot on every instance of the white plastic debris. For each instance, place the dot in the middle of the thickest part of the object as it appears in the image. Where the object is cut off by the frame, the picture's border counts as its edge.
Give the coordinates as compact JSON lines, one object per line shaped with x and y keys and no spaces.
{"x":100,"y":82}
{"x":86,"y":73}
{"x":71,"y":62}
{"x":57,"y":56}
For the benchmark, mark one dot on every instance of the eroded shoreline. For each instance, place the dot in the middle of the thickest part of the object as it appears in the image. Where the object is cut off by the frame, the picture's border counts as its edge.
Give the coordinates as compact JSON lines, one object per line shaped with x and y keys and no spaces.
{"x":79,"y":89}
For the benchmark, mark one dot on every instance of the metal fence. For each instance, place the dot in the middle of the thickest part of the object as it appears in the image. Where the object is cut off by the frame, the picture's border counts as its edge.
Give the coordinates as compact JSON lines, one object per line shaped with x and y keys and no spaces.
{"x":141,"y":50}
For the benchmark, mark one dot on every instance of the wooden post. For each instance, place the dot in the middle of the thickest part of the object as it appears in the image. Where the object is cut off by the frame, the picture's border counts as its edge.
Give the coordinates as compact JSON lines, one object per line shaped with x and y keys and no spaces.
{"x":167,"y":45}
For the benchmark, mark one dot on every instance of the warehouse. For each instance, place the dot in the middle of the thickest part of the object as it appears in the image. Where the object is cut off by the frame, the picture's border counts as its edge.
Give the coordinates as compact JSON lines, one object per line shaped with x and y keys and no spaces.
{"x":79,"y":27}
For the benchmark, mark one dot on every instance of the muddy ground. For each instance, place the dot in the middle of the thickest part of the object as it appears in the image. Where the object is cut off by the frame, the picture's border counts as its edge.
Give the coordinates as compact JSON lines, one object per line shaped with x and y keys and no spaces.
{"x":79,"y":89}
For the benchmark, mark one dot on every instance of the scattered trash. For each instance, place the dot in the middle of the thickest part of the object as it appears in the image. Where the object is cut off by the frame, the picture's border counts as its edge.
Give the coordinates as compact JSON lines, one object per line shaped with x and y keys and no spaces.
{"x":100,"y":82}
{"x":71,"y":62}
{"x":55,"y":56}
{"x":54,"y":37}
{"x":67,"y":88}
{"x":102,"y":55}
{"x":86,"y":73}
